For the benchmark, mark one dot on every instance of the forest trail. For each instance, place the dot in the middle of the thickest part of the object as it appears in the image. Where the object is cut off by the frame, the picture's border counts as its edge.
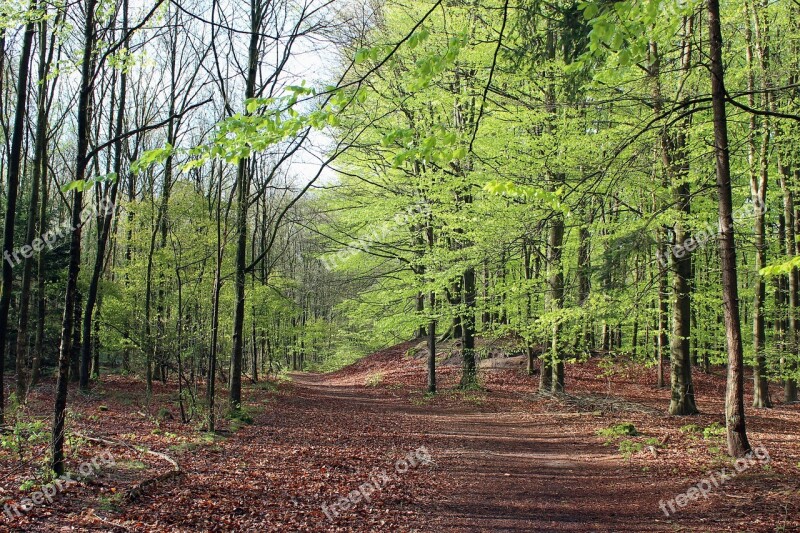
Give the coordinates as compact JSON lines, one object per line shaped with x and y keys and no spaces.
{"x":501,"y":471}
{"x":502,"y":458}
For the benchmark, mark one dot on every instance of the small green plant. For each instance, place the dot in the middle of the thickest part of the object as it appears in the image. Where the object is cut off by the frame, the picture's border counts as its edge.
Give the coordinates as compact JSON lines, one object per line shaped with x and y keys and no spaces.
{"x":374,"y":380}
{"x":654,"y":442}
{"x":629,"y":447}
{"x":241,"y":415}
{"x":714,"y":431}
{"x":626,"y":429}
{"x":691,"y":429}
{"x":111,"y":503}
{"x":411,"y":352}
{"x":422,"y":400}
{"x":25,"y":434}
{"x":266,"y":385}
{"x":472,"y":396}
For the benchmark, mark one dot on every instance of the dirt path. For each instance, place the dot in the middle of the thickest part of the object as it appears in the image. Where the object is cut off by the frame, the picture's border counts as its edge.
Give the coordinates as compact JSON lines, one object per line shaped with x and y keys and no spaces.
{"x":503,"y":459}
{"x":502,"y":471}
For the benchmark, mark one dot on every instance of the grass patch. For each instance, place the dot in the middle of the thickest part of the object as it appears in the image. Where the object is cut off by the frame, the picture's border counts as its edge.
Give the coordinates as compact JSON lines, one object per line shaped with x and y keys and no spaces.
{"x":203,"y":440}
{"x":111,"y":503}
{"x":131,"y":465}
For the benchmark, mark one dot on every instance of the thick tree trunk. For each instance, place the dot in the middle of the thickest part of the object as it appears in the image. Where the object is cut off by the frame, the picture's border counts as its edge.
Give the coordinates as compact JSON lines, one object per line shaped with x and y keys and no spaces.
{"x":682,"y":400}
{"x":673,"y":153}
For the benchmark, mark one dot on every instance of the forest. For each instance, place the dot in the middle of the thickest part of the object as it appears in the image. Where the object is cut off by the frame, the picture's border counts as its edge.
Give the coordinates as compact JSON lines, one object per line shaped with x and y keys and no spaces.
{"x":416,"y":265}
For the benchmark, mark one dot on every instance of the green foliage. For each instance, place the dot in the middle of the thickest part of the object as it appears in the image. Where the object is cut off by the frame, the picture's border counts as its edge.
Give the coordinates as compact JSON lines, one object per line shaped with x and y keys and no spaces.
{"x":629,"y":447}
{"x":241,"y":414}
{"x":26,"y":435}
{"x":691,"y":429}
{"x":714,"y":431}
{"x":625,"y":429}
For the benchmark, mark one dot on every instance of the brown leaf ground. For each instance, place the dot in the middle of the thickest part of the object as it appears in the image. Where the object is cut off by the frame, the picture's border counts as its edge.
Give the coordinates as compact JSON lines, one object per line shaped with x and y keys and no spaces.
{"x":503,"y":458}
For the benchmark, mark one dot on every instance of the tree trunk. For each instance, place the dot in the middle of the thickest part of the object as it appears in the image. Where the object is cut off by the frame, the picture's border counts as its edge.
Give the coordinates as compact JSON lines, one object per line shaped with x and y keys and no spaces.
{"x":105,"y":215}
{"x":793,"y":324}
{"x":738,"y":444}
{"x":14,"y":172}
{"x":30,"y":231}
{"x":758,"y":191}
{"x":243,"y":198}
{"x":212,"y":352}
{"x":556,"y":240}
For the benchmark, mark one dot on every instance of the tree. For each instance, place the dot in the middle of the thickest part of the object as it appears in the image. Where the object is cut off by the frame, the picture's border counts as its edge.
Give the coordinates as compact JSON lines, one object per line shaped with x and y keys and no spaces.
{"x":13,"y":178}
{"x":734,"y":396}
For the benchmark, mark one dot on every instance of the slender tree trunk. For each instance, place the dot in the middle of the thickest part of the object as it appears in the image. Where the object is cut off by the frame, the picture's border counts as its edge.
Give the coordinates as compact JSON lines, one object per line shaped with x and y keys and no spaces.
{"x":212,"y":352}
{"x":12,"y":188}
{"x":469,"y":374}
{"x":663,"y":311}
{"x":105,"y":215}
{"x":528,"y":273}
{"x":67,"y":325}
{"x":738,"y":444}
{"x":243,"y":198}
{"x":758,"y":190}
{"x":556,"y":241}
{"x":40,"y":169}
{"x":793,"y":324}
{"x":30,"y":231}
{"x":431,"y":324}
{"x":585,"y":272}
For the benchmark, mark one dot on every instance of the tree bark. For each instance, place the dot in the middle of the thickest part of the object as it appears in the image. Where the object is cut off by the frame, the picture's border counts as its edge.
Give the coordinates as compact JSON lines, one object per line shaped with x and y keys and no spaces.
{"x":556,"y":241}
{"x":243,"y":198}
{"x":105,"y":214}
{"x":30,"y":231}
{"x":12,"y":189}
{"x":738,"y":444}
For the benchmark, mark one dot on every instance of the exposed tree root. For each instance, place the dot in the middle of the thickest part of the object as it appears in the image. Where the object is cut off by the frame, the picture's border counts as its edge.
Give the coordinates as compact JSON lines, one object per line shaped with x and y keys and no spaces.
{"x":138,"y":489}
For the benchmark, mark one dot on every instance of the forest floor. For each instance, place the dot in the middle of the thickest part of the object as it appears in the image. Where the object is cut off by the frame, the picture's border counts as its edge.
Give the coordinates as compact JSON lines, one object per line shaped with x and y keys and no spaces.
{"x":502,"y":458}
